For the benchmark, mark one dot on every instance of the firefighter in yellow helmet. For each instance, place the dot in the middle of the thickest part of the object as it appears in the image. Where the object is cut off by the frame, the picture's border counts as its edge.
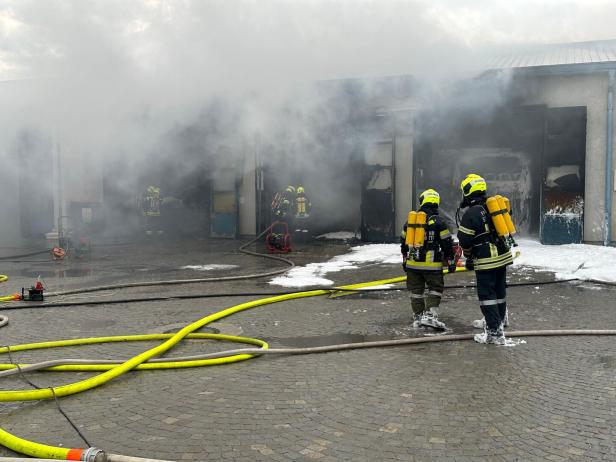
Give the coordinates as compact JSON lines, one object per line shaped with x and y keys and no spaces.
{"x":302,"y":215}
{"x":488,"y":255}
{"x":424,"y":265}
{"x":282,"y":203}
{"x":302,"y":203}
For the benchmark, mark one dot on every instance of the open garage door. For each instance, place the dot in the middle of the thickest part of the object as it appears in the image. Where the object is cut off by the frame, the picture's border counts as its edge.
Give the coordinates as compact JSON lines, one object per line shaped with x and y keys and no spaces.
{"x":35,"y":191}
{"x":562,"y":188}
{"x":505,"y":148}
{"x":377,"y":206}
{"x":224,"y":209}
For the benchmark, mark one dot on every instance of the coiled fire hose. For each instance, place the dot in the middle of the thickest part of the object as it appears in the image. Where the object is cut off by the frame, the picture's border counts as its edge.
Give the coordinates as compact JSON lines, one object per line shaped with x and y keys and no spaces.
{"x":145,"y":360}
{"x":6,"y":298}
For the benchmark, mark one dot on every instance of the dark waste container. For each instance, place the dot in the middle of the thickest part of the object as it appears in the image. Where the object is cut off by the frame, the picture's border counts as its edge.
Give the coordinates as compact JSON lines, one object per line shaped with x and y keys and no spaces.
{"x":563,"y":228}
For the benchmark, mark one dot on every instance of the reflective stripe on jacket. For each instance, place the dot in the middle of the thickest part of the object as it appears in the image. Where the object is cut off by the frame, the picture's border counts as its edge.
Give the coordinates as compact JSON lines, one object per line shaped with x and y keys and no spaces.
{"x":438,"y":244}
{"x":479,"y":241}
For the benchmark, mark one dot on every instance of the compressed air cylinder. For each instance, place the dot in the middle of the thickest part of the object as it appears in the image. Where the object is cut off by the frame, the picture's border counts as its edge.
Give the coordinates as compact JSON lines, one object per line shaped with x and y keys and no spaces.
{"x":497,"y":216}
{"x":420,"y":230}
{"x":410,"y":229}
{"x":505,"y":206}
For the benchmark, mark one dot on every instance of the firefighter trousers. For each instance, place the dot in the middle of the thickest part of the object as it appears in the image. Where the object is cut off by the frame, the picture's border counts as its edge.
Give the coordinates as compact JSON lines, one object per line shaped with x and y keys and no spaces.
{"x":492,"y":294}
{"x":416,"y":283}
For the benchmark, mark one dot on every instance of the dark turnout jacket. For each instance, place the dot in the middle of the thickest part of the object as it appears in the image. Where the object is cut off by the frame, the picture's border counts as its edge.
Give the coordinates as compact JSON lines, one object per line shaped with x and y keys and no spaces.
{"x":438,"y":244}
{"x":479,"y":240}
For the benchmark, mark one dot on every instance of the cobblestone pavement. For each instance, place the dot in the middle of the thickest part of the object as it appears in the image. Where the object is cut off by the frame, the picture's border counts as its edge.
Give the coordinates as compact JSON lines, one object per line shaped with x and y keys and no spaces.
{"x":546,"y":399}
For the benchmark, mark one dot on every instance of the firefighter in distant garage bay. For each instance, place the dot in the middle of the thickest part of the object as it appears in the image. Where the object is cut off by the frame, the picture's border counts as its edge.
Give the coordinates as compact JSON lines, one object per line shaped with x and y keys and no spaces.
{"x":486,"y":253}
{"x":151,"y":202}
{"x":426,"y":246}
{"x":302,"y":214}
{"x":282,"y":204}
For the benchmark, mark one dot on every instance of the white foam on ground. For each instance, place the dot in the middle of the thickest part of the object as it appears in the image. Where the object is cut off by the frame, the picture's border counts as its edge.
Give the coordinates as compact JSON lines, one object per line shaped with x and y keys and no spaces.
{"x":338,"y":235}
{"x":208,"y":267}
{"x":570,"y":261}
{"x":382,"y":286}
{"x":579,"y":261}
{"x":313,"y":273}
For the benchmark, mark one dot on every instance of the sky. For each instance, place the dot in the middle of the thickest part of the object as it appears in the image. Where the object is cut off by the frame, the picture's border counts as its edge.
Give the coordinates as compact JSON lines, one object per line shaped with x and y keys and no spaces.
{"x":123,"y":77}
{"x":231,"y":44}
{"x":133,"y":60}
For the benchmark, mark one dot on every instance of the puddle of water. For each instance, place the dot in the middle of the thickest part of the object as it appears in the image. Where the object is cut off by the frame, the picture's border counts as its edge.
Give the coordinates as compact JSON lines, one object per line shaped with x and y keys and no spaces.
{"x":608,"y":361}
{"x":58,"y":273}
{"x":331,"y":339}
{"x":403,"y":326}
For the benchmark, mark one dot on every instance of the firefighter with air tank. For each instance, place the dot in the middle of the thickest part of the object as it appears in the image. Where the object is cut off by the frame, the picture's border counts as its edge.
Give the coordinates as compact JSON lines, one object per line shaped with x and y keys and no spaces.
{"x":486,"y":234}
{"x":302,"y":214}
{"x":426,"y":246}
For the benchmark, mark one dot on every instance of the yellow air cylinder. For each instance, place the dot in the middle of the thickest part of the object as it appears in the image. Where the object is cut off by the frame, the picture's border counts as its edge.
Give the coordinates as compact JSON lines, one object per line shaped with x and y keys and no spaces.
{"x":410,"y":229}
{"x":420,"y":230}
{"x":497,"y":216}
{"x":507,"y":204}
{"x":506,"y":207}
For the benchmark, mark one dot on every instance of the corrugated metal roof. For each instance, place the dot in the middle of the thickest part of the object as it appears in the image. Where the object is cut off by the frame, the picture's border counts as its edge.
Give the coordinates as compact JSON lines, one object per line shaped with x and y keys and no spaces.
{"x":603,"y":51}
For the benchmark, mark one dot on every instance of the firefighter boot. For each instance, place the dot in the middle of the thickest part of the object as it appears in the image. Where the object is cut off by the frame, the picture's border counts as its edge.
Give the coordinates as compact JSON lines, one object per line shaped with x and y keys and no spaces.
{"x":429,"y":318}
{"x":491,"y":336}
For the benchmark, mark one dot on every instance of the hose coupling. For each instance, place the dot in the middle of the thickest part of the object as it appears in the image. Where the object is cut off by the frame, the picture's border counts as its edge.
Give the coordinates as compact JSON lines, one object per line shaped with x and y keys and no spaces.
{"x":94,"y":455}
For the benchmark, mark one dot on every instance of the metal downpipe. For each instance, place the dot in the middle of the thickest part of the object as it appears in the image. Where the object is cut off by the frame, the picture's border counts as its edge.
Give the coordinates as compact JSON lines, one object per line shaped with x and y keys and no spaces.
{"x":607,"y":230}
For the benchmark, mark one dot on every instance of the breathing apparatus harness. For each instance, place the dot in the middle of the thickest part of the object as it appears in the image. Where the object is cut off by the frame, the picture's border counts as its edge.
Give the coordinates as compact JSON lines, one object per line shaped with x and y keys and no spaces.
{"x":500,"y":224}
{"x":418,"y":238}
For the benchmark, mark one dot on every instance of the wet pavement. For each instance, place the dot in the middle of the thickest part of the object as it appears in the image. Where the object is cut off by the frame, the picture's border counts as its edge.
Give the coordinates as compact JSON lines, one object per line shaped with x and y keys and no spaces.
{"x":547,"y":399}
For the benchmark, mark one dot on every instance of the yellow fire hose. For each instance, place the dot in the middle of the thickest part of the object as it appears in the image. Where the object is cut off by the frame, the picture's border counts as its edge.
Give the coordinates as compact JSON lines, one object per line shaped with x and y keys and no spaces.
{"x":112,"y":371}
{"x":8,"y":298}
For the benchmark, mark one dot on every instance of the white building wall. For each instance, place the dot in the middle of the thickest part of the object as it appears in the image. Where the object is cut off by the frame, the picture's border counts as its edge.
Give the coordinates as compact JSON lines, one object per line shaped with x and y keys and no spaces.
{"x":404,"y":179}
{"x":10,"y":226}
{"x":588,"y":90}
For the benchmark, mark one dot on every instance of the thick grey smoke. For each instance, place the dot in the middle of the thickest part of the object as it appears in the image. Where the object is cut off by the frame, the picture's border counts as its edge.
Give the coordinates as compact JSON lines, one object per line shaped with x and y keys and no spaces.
{"x":131,"y":83}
